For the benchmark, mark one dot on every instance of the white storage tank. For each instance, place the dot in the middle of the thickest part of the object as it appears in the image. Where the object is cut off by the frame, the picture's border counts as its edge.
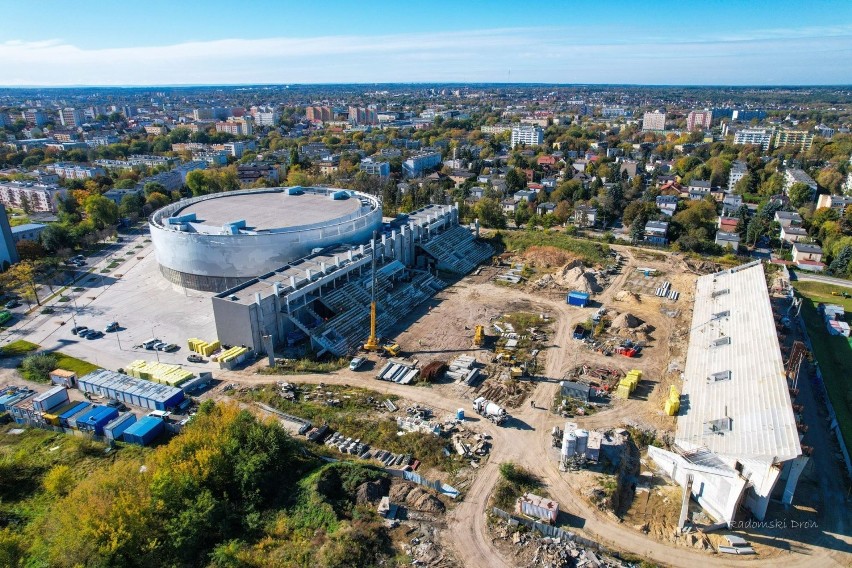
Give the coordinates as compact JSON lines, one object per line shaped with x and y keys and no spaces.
{"x":569,"y":445}
{"x":582,"y":441}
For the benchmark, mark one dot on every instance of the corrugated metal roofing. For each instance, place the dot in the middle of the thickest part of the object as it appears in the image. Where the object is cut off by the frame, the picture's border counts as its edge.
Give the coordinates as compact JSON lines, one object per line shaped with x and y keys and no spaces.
{"x":736,"y":401}
{"x":117,"y":381}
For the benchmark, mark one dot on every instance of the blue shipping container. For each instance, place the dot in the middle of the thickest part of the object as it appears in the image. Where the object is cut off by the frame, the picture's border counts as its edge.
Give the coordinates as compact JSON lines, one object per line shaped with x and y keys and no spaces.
{"x":116,"y":428}
{"x":95,"y":419}
{"x":577,"y":299}
{"x":144,"y":431}
{"x":79,"y":407}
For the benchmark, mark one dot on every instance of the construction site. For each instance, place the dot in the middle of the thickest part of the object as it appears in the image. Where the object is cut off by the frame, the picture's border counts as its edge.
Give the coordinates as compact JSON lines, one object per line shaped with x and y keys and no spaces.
{"x":575,"y":367}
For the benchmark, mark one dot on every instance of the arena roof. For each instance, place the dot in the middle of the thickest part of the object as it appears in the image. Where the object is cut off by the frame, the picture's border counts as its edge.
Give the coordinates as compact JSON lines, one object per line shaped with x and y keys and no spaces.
{"x":269,"y":210}
{"x":736,"y":401}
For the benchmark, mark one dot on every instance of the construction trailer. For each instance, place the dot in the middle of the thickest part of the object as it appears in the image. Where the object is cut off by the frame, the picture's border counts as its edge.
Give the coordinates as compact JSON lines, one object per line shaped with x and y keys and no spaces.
{"x":136,"y":392}
{"x":144,"y":431}
{"x":579,"y":299}
{"x":536,"y":507}
{"x":576,"y":390}
{"x":114,"y":429}
{"x":68,"y":379}
{"x":50,"y":399}
{"x":95,"y":418}
{"x":738,"y":437}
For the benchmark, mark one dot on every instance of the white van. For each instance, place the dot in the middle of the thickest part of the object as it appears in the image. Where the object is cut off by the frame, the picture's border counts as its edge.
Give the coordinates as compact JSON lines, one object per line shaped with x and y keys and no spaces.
{"x":150,"y":343}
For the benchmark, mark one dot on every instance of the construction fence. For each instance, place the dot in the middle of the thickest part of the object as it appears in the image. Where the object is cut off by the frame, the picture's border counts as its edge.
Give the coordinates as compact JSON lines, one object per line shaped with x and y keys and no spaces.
{"x":545,"y":529}
{"x":415,"y":477}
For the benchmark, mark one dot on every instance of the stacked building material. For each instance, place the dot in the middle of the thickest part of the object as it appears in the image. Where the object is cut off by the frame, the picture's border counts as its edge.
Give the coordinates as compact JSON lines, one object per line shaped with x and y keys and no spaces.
{"x":162,"y":373}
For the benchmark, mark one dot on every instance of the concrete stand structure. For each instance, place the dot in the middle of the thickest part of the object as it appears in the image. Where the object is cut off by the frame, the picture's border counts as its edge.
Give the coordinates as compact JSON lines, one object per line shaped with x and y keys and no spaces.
{"x":324,"y":298}
{"x":737,"y":435}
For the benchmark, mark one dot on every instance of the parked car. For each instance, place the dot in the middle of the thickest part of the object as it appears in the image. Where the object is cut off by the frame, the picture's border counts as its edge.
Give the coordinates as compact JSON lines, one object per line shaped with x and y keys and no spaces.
{"x":78,"y":330}
{"x":168,"y":347}
{"x":112,"y":326}
{"x":94,"y":334}
{"x":13,"y":303}
{"x":195,"y":358}
{"x":356,"y":363}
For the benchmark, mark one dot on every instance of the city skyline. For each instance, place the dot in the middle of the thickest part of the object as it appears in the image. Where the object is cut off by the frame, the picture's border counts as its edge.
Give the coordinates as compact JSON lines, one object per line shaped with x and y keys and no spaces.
{"x":674,"y":44}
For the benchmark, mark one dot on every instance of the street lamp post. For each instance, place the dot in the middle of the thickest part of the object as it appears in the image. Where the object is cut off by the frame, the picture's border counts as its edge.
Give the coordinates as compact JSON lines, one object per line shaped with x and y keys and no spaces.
{"x":156,"y":351}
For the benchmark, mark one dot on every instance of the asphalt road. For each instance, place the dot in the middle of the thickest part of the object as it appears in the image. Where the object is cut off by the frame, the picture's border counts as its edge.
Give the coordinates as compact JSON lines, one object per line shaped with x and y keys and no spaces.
{"x":795,"y":275}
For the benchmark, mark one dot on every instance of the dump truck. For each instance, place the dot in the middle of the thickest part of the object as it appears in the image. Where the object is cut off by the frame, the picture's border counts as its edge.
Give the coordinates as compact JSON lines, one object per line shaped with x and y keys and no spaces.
{"x":490,"y":410}
{"x":579,"y":332}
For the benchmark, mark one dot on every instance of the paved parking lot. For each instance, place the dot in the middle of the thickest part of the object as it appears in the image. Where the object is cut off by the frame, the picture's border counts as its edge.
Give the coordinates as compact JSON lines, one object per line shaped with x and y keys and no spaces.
{"x":135,"y":295}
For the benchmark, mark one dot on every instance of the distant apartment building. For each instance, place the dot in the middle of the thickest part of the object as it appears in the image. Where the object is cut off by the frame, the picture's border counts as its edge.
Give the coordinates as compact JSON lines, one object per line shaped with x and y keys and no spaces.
{"x":75,"y":171}
{"x":5,"y":120}
{"x":374,"y":167}
{"x":755,"y":136}
{"x":137,"y":160}
{"x":101,"y":140}
{"x":738,"y":171}
{"x":35,"y":117}
{"x":156,"y":129}
{"x":495,"y":128}
{"x":748,"y":115}
{"x":248,"y":174}
{"x":801,"y":139}
{"x":613,"y":112}
{"x":71,"y":117}
{"x":213,"y":113}
{"x":824,"y":131}
{"x":29,"y":195}
{"x":527,"y":134}
{"x":654,"y":121}
{"x":319,"y":113}
{"x":699,"y":119}
{"x":238,"y":126}
{"x":212,"y":158}
{"x":265,"y":116}
{"x":795,"y":175}
{"x":415,"y":165}
{"x":361,"y":115}
{"x":837,"y":202}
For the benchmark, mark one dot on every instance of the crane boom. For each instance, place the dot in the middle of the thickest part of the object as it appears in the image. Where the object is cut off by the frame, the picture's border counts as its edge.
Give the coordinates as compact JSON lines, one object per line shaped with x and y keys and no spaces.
{"x":372,"y":343}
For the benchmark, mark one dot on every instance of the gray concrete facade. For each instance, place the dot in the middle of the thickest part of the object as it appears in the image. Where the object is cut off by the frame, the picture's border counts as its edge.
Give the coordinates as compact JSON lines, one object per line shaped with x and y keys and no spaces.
{"x":216,"y":257}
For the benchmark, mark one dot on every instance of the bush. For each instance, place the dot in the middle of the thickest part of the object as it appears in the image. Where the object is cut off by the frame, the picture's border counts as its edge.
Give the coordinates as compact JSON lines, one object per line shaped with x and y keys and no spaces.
{"x":38,"y":367}
{"x":58,"y":480}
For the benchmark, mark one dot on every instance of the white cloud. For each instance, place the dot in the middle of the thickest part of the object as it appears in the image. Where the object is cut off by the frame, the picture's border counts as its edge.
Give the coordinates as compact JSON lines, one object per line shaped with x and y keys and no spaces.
{"x":536,"y":55}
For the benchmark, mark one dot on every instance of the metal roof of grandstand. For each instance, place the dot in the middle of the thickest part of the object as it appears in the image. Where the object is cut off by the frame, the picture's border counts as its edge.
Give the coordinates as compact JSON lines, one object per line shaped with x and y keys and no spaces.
{"x":736,"y":401}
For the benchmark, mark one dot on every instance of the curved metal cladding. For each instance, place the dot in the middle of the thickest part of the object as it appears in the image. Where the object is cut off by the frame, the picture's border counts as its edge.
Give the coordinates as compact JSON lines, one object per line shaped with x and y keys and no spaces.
{"x":214,"y":258}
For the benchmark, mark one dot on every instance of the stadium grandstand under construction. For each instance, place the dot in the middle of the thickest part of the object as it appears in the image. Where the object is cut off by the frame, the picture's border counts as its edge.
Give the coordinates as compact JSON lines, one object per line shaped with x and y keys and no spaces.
{"x":324,"y":298}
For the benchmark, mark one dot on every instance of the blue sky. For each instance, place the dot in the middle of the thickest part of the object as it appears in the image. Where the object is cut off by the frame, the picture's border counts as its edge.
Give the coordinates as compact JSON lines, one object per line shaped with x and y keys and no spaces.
{"x":751,"y":42}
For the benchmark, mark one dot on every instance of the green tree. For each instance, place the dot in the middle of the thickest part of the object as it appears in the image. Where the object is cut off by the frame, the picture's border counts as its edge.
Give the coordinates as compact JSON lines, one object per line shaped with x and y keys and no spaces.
{"x":102,"y":211}
{"x":131,"y":204}
{"x":840,"y":265}
{"x":125,"y":183}
{"x":490,"y":214}
{"x":153,"y":186}
{"x":515,"y":180}
{"x":799,"y":194}
{"x":56,"y":236}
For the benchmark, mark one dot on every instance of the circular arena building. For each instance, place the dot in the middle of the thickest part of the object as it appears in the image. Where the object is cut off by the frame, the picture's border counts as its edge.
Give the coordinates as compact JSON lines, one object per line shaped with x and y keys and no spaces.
{"x":218,"y":241}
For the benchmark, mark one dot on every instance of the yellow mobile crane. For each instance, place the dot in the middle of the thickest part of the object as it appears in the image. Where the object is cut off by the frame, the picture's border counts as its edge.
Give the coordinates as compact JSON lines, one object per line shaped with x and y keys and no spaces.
{"x":372,"y":343}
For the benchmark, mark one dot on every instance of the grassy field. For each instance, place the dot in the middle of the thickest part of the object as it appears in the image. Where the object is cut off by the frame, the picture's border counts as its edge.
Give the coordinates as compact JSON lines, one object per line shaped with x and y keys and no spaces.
{"x":833,"y":352}
{"x":76,"y":365}
{"x":519,"y":241}
{"x":19,"y":347}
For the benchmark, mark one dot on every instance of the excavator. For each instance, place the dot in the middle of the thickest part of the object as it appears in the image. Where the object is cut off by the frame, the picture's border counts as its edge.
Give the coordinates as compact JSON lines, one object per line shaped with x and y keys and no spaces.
{"x":390,"y":348}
